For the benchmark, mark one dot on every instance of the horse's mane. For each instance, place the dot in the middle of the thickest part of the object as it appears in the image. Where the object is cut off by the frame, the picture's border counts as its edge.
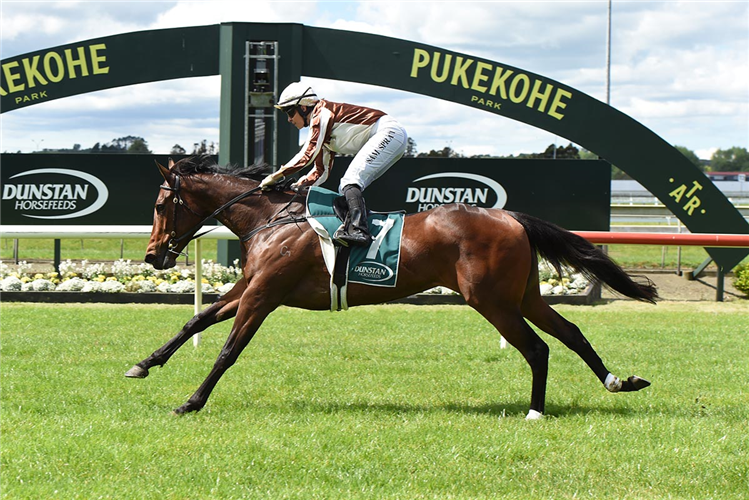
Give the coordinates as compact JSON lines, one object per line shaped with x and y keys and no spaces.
{"x":204,"y":164}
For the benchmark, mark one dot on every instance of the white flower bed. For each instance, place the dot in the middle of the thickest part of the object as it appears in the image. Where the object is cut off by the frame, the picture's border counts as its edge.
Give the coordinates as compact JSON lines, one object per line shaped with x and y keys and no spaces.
{"x":120,"y":276}
{"x":39,"y":285}
{"x":72,"y":285}
{"x":11,"y":284}
{"x":124,"y":276}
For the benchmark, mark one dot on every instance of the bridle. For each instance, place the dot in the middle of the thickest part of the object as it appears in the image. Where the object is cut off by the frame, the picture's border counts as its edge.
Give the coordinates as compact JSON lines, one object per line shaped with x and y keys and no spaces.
{"x":174,"y":240}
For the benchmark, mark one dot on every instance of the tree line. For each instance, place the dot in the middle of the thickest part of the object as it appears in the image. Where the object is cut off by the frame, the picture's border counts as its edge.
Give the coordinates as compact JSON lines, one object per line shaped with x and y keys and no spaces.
{"x":135,"y":145}
{"x":735,"y":159}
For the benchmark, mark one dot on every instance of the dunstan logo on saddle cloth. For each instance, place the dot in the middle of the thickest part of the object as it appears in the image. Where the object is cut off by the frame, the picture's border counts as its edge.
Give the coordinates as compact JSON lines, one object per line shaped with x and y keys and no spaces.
{"x":376,"y":264}
{"x":372,"y":271}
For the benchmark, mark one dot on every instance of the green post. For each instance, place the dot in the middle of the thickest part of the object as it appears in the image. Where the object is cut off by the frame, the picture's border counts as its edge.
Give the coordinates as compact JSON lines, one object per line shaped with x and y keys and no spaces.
{"x":58,"y":256}
{"x":233,"y":138}
{"x":231,"y":117}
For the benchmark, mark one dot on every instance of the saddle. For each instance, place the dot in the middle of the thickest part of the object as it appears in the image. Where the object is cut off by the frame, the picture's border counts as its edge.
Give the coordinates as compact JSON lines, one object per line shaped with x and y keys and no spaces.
{"x":373,"y":265}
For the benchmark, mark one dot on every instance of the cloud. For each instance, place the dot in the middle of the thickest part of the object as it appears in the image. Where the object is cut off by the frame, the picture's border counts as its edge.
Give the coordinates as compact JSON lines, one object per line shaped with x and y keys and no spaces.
{"x":681,"y":108}
{"x":30,"y":26}
{"x":164,"y":113}
{"x":681,"y":68}
{"x":204,"y":13}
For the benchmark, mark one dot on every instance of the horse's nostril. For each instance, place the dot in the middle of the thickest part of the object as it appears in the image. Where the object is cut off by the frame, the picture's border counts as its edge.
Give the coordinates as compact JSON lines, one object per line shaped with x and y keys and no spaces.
{"x":150,"y":258}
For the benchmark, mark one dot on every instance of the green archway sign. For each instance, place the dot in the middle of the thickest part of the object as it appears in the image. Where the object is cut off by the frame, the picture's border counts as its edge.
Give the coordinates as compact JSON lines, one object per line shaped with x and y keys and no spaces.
{"x":511,"y":92}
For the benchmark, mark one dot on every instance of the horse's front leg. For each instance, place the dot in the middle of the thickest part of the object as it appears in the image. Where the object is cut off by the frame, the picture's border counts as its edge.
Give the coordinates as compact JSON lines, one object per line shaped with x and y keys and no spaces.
{"x":254,"y":306}
{"x":224,"y":308}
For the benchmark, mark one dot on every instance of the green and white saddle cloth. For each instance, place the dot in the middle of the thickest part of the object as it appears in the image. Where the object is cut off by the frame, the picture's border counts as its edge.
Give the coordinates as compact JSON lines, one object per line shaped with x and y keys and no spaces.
{"x":376,"y":264}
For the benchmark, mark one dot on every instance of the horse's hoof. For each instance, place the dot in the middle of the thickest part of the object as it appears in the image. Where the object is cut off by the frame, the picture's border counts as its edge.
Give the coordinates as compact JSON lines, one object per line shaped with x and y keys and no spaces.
{"x":634,"y":383}
{"x":534,"y":415}
{"x":185,"y":408}
{"x":137,"y":372}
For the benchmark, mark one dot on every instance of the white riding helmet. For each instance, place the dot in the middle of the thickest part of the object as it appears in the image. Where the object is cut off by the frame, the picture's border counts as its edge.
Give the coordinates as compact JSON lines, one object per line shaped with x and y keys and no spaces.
{"x":297,"y":94}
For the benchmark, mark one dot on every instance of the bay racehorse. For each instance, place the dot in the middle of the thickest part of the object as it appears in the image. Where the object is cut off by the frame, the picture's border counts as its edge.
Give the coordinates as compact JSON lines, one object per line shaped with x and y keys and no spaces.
{"x":490,"y":256}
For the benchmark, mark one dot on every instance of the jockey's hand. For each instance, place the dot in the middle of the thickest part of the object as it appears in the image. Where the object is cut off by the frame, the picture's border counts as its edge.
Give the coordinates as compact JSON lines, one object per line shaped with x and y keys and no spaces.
{"x":272,"y":179}
{"x":300,"y":186}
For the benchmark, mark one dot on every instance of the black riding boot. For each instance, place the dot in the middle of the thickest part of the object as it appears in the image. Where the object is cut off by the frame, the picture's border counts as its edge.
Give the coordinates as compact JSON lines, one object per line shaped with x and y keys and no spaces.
{"x":355,"y":230}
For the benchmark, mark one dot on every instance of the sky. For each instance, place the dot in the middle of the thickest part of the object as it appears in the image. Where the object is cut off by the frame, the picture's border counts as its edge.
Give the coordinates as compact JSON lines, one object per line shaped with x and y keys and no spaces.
{"x":681,"y":68}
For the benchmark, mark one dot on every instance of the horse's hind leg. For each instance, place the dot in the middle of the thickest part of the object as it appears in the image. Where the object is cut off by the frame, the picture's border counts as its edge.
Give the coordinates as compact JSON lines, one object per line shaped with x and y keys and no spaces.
{"x":547,"y":319}
{"x":510,"y":323}
{"x":224,"y":308}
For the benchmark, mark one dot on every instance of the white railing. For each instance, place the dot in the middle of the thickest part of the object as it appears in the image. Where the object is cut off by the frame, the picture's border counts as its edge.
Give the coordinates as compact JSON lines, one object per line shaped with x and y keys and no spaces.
{"x":95,"y":232}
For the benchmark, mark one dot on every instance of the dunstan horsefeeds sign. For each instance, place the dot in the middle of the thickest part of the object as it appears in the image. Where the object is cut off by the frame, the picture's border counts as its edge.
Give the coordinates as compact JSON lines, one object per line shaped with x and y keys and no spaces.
{"x":149,"y":56}
{"x":487,"y":193}
{"x":77,"y":194}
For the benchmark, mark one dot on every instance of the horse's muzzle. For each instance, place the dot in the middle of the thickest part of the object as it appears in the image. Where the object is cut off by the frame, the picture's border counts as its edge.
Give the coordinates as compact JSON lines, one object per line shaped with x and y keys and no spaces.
{"x":160,"y":263}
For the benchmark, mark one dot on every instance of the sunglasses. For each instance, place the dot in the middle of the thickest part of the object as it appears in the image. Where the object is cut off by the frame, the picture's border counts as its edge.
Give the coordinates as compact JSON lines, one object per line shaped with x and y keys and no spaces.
{"x":290,"y":112}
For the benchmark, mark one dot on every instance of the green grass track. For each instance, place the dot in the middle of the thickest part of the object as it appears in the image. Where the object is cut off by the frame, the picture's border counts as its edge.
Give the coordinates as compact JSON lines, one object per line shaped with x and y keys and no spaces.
{"x":380,"y":402}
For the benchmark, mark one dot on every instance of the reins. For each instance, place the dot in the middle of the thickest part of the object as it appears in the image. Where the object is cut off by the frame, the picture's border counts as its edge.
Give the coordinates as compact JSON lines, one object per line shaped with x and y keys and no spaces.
{"x":279,"y":222}
{"x":291,"y":219}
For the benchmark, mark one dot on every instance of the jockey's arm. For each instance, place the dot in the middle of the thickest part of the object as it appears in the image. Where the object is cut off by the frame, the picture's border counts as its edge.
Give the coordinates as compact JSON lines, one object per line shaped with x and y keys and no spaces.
{"x":306,"y":156}
{"x":319,"y":174}
{"x":294,"y":165}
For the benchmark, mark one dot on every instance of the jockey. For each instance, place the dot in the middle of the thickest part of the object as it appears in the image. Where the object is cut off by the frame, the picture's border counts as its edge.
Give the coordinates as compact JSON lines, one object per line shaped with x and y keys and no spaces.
{"x":375,"y":139}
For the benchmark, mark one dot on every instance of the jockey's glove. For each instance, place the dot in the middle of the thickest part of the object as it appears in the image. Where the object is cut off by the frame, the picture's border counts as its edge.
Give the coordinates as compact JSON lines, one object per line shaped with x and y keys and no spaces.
{"x":273,"y":178}
{"x":301,"y":184}
{"x":300,"y":188}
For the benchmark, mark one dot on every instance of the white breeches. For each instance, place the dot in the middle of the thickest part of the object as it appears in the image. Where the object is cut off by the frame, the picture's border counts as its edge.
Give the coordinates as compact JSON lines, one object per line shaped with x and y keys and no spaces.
{"x":379,"y":153}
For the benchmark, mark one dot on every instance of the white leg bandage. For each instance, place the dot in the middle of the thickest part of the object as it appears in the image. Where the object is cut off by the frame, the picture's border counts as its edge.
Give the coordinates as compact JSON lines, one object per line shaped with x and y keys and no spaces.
{"x":534,"y":415}
{"x":612,"y":383}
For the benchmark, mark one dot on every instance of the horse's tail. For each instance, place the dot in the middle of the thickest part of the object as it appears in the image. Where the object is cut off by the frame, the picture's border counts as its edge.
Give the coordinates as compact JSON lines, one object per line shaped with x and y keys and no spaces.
{"x":561,"y":248}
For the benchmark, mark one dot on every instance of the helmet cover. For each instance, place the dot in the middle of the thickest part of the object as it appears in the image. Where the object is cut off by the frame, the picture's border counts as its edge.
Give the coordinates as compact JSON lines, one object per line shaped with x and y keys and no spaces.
{"x":297,"y":94}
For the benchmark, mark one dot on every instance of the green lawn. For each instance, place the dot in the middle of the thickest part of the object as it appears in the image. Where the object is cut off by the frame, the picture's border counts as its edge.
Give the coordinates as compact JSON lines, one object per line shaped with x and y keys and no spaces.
{"x":377,"y":402}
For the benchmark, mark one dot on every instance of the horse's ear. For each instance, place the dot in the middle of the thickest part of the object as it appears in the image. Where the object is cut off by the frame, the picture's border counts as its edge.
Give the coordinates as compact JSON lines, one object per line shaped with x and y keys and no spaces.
{"x":171,"y":163}
{"x":164,"y":171}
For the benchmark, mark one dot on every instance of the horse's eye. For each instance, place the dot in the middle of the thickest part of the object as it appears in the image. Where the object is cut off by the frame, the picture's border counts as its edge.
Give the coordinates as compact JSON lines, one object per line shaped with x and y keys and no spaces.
{"x":160,"y":208}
